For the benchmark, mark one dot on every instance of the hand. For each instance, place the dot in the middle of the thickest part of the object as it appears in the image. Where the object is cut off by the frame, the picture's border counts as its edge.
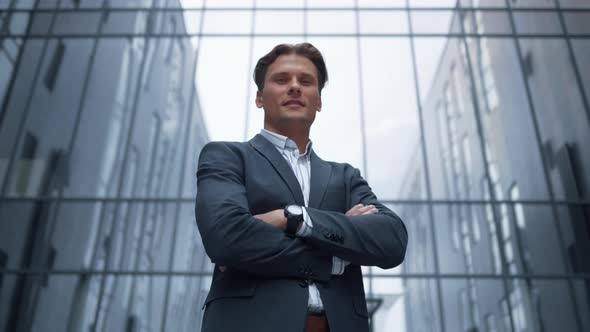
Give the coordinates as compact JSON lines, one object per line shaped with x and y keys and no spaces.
{"x":276,"y":218}
{"x":361,"y":209}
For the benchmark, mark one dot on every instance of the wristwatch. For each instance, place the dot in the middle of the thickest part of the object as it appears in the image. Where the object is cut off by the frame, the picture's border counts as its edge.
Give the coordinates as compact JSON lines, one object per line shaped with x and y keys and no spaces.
{"x":294,"y":214}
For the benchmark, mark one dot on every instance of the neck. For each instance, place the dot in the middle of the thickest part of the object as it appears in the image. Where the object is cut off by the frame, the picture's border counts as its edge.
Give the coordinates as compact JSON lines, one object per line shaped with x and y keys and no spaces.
{"x":299,"y":136}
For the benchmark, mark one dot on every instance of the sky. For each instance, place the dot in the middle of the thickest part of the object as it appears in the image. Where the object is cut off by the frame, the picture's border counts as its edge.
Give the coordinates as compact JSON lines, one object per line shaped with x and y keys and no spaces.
{"x":227,"y":91}
{"x":383,"y":88}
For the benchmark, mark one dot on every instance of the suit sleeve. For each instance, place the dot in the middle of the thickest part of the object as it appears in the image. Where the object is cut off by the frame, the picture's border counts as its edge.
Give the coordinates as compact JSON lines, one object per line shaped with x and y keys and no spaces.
{"x":378,"y":239}
{"x":232,"y":236}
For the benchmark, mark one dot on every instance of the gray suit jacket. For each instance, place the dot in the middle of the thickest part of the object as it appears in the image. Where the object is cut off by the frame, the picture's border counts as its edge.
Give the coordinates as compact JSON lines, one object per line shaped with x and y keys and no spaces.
{"x":265,"y":285}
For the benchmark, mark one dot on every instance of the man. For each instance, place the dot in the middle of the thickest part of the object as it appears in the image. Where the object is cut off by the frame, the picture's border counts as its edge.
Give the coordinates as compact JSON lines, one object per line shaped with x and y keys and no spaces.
{"x":288,"y":231}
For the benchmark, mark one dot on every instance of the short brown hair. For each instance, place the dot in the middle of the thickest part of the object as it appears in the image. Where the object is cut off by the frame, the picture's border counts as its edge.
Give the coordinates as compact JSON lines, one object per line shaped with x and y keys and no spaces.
{"x":304,"y":49}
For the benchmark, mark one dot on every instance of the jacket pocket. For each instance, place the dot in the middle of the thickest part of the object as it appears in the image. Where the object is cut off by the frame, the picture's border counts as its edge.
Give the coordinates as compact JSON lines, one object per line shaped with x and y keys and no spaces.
{"x":230,"y":288}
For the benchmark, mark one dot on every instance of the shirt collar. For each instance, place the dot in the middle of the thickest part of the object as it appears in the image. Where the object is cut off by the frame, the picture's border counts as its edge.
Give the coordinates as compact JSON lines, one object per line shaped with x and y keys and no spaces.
{"x":284,"y":142}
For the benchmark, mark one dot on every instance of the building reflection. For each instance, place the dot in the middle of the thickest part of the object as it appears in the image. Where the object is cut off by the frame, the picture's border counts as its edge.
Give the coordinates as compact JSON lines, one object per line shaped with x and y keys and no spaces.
{"x":506,"y":120}
{"x":96,"y":132}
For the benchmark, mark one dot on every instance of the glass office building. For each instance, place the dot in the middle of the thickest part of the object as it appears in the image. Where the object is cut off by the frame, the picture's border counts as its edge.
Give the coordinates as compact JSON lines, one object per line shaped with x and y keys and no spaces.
{"x":99,"y":140}
{"x":469,"y":118}
{"x":506,"y":127}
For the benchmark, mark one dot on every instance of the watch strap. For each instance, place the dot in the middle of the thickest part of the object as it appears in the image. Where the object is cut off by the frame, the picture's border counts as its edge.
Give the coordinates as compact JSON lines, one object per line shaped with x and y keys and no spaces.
{"x":293,"y":222}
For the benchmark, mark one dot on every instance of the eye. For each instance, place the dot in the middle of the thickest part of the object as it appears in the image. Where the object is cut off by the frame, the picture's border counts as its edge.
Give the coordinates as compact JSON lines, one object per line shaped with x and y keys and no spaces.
{"x":306,"y":80}
{"x":281,"y":80}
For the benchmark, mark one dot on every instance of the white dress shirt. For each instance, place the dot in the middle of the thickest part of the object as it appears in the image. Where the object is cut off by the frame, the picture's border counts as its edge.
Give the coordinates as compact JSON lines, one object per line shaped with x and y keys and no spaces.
{"x":301,"y":166}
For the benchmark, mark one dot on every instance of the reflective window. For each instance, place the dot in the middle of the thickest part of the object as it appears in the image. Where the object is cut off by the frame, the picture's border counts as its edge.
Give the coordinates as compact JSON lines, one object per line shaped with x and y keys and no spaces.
{"x":490,"y":323}
{"x":518,"y":207}
{"x":54,"y":66}
{"x":494,"y":239}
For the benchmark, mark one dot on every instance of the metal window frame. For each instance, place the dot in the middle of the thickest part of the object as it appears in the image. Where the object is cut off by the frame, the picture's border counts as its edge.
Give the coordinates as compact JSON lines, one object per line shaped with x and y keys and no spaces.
{"x":204,"y":273}
{"x":305,"y":7}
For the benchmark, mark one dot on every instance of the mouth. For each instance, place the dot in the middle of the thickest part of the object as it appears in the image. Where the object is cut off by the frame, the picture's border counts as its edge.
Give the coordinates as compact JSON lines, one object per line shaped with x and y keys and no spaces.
{"x":293,"y":103}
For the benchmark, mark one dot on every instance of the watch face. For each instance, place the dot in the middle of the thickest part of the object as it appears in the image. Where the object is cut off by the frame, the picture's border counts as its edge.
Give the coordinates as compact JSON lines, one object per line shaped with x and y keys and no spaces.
{"x":295,"y":209}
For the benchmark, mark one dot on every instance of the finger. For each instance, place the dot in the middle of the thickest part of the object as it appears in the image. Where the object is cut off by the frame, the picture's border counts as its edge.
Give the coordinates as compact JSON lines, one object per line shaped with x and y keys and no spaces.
{"x":371,"y":211}
{"x":353,"y":210}
{"x":356,"y":207}
{"x":362,"y":209}
{"x":366,"y":208}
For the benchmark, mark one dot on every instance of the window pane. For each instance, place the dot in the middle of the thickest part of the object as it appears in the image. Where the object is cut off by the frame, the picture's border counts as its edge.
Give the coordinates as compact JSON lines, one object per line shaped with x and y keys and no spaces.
{"x":383,"y":22}
{"x":558,"y":107}
{"x":272,"y":22}
{"x":390,"y":114}
{"x":331,"y":22}
{"x":431,"y":21}
{"x":461,"y":312}
{"x":227,"y":22}
{"x":537,"y":22}
{"x":422,"y":305}
{"x":421,"y":253}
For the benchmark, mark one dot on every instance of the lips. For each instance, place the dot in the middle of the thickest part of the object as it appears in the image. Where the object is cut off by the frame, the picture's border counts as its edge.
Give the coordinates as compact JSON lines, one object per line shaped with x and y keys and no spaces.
{"x":293,"y":102}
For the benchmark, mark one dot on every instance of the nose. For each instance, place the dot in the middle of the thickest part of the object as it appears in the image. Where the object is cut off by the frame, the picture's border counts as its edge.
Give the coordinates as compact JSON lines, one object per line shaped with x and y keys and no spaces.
{"x":294,"y":86}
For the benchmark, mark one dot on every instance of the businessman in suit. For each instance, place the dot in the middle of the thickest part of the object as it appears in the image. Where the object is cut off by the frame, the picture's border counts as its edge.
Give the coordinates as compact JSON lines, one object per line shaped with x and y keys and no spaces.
{"x":287,"y":231}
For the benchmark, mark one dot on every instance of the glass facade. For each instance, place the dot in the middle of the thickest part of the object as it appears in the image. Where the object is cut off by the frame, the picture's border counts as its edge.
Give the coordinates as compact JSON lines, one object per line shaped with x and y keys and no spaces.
{"x":469,"y":118}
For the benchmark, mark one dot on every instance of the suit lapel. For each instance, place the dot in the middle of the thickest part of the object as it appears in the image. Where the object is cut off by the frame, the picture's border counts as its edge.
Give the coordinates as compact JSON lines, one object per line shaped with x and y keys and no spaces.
{"x":320,"y":175}
{"x":270,"y":152}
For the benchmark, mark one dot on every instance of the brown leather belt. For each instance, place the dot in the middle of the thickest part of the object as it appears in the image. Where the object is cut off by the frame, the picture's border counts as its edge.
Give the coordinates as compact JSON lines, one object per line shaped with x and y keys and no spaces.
{"x":316,"y":323}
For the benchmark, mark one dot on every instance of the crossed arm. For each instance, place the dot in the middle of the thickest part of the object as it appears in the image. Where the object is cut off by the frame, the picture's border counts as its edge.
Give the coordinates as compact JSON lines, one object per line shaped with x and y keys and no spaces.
{"x":233,"y":237}
{"x":277,"y":217}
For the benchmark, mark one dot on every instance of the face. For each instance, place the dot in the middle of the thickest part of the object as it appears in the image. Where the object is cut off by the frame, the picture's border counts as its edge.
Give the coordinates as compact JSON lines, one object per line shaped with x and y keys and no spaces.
{"x":291,"y":95}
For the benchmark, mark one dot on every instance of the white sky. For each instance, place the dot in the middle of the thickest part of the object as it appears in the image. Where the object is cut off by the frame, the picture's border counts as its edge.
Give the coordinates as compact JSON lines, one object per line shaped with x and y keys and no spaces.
{"x":226,"y":89}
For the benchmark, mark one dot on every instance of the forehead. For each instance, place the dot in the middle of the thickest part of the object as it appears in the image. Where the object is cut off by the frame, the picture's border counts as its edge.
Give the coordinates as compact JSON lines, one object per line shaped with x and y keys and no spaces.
{"x":293,"y":64}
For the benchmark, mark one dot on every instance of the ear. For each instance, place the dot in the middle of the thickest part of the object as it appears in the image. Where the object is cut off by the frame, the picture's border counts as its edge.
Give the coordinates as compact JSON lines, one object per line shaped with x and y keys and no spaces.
{"x":320,"y":105}
{"x":258,"y":99}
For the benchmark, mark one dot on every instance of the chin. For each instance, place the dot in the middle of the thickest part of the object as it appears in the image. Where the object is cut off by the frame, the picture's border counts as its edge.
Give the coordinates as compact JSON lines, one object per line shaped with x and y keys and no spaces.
{"x":296,"y":117}
{"x":297,"y":121}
